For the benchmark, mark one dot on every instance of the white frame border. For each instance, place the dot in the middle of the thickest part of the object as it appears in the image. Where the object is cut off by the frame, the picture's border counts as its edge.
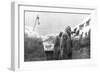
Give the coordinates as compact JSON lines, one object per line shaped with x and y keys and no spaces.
{"x":16,"y":64}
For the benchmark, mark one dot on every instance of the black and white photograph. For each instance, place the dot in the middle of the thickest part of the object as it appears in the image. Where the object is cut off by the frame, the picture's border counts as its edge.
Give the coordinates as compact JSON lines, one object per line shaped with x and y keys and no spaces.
{"x":53,"y":36}
{"x":56,"y":36}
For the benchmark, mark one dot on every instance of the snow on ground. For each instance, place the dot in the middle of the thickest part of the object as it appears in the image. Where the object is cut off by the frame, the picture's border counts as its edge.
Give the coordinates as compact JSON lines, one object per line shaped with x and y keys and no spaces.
{"x":47,"y":42}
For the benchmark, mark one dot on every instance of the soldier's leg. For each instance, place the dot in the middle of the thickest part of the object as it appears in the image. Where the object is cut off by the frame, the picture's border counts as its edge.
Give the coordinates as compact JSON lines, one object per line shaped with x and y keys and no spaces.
{"x":61,"y":53}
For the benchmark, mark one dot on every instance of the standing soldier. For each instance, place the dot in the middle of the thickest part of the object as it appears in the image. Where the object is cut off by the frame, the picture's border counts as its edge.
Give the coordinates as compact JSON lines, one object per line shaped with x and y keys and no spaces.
{"x":57,"y":47}
{"x":66,"y":44}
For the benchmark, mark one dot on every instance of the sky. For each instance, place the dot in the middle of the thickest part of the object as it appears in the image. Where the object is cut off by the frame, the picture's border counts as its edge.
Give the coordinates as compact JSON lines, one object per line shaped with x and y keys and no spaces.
{"x":53,"y":22}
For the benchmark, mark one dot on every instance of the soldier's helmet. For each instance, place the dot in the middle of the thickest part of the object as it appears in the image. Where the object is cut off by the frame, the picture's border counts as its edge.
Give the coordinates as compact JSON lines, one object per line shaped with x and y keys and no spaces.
{"x":68,"y":29}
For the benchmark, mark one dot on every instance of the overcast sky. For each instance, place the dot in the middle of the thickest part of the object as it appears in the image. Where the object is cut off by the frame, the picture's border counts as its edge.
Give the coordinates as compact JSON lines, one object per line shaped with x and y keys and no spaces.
{"x":53,"y":22}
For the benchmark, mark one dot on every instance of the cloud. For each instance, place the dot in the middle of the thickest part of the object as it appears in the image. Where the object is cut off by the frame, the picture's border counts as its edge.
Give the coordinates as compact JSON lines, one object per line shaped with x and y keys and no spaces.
{"x":29,"y":31}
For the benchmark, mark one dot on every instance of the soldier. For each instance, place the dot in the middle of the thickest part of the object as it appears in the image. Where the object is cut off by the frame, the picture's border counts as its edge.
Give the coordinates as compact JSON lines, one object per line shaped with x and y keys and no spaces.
{"x":66,"y":44}
{"x":57,"y":46}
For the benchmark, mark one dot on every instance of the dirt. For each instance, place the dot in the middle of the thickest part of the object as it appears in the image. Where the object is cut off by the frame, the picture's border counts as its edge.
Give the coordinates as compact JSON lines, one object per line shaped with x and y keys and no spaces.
{"x":81,"y":53}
